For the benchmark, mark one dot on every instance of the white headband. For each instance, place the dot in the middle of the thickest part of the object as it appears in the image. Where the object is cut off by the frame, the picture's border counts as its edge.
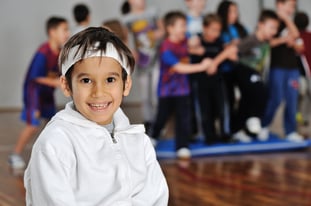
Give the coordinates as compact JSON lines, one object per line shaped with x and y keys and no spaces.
{"x":74,"y":57}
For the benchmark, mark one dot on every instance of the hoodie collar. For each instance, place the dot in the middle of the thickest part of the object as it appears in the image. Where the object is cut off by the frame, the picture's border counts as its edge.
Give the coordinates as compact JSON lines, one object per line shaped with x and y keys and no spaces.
{"x":121,"y":122}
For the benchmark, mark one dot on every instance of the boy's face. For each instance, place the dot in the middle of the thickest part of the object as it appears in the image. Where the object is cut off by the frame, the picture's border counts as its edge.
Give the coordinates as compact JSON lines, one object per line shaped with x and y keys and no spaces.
{"x":288,"y":7}
{"x":60,"y":34}
{"x":212,"y":31}
{"x":138,"y":4}
{"x":97,"y":88}
{"x":268,"y":28}
{"x":178,"y":29}
{"x":196,"y":6}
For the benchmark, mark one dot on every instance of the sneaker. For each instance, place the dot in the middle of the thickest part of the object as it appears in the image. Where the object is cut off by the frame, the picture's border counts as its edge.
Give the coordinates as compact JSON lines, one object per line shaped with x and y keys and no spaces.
{"x":263,"y":135}
{"x":294,"y":137}
{"x":183,"y":153}
{"x":16,"y":161}
{"x":241,"y":136}
{"x":253,"y":125}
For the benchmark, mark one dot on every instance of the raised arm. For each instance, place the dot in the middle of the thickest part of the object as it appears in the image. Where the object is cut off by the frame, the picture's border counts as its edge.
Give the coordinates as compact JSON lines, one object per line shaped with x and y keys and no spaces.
{"x":290,"y":25}
{"x":48,"y":81}
{"x":184,"y":68}
{"x":230,"y":52}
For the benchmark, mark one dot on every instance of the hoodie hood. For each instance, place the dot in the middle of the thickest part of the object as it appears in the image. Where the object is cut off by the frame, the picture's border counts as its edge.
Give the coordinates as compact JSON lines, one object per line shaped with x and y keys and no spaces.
{"x":121,"y":122}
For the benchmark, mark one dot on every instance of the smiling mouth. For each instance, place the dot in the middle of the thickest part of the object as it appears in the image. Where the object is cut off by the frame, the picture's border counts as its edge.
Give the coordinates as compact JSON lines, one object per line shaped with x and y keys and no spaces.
{"x":99,"y":106}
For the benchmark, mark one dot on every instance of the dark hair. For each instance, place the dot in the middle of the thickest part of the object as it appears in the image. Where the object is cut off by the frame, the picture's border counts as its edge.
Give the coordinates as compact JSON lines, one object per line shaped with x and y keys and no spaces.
{"x":115,"y":26}
{"x":171,"y":17}
{"x":210,"y":18}
{"x":223,"y":12}
{"x":301,"y":20}
{"x":267,"y":14}
{"x":81,"y":12}
{"x":125,"y":8}
{"x":54,"y":22}
{"x":88,"y":38}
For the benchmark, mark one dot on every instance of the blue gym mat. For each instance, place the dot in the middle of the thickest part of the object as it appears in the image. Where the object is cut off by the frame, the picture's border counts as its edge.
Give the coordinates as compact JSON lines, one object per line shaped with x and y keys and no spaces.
{"x":166,"y":148}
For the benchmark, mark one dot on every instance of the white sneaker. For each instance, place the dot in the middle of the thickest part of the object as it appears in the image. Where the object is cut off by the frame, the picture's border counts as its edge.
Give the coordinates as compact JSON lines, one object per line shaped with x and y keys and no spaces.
{"x":240,"y":136}
{"x":263,"y":135}
{"x":253,"y":125}
{"x":294,"y":137}
{"x":183,"y":153}
{"x":16,"y":162}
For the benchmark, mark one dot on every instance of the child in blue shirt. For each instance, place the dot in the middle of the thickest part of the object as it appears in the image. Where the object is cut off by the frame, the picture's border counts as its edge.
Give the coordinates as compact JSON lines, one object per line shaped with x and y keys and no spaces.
{"x":39,"y":85}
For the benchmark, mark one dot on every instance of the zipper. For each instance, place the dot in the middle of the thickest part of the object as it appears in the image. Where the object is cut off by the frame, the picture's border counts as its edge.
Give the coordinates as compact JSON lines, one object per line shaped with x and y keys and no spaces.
{"x":113,"y":138}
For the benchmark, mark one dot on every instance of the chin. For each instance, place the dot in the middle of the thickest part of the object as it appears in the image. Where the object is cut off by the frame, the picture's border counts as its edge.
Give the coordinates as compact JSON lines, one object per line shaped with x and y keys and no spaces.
{"x":102,"y":121}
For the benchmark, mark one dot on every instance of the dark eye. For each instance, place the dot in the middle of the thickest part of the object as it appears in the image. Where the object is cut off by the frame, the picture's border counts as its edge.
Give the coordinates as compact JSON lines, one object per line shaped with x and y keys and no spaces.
{"x":111,"y":79}
{"x":86,"y":81}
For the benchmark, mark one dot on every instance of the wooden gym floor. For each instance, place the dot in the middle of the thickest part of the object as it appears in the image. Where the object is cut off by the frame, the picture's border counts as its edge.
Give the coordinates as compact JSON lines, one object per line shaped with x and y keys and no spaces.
{"x":275,"y":179}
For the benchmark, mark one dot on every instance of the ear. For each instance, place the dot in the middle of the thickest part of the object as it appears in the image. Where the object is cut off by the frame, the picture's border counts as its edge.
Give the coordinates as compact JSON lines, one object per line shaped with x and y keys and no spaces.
{"x":127,"y":86}
{"x":64,"y":86}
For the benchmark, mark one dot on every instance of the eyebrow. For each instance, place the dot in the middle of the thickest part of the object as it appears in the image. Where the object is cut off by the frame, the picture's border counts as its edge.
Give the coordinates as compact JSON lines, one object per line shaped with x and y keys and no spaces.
{"x":109,"y":73}
{"x":82,"y":74}
{"x":114,"y":74}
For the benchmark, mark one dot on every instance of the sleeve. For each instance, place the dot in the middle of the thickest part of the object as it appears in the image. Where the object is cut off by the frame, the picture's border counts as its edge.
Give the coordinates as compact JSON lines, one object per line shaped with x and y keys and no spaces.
{"x":47,"y":181}
{"x":234,"y":32}
{"x":155,"y":191}
{"x":169,"y":58}
{"x":38,"y":66}
{"x":245,"y":46}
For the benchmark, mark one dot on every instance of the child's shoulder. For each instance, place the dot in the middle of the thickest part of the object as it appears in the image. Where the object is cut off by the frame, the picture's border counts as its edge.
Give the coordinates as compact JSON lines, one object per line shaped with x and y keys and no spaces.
{"x":167,"y":44}
{"x":54,"y":141}
{"x":54,"y":131}
{"x":44,"y":49}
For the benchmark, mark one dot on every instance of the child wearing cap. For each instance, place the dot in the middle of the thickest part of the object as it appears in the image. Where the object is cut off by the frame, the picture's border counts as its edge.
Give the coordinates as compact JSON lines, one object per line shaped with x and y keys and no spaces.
{"x":89,"y":153}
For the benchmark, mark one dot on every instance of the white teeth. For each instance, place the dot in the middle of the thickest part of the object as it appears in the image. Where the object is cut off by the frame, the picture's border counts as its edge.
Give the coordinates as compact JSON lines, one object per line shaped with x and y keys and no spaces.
{"x":100,"y":106}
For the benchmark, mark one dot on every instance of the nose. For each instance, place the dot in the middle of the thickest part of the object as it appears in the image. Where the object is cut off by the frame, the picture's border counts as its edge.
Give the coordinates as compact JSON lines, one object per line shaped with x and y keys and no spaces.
{"x":98,"y":90}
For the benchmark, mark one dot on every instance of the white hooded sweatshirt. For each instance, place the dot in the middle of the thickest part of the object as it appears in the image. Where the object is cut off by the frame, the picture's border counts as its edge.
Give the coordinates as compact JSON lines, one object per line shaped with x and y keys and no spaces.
{"x":76,"y":162}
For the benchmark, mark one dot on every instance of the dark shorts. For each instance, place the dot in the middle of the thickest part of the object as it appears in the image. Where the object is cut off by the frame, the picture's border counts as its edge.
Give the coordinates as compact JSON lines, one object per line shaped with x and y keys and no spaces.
{"x":33,"y":116}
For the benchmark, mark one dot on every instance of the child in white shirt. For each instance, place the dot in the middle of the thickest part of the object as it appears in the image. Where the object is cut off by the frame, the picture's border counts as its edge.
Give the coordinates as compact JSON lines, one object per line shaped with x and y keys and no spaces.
{"x":89,"y":154}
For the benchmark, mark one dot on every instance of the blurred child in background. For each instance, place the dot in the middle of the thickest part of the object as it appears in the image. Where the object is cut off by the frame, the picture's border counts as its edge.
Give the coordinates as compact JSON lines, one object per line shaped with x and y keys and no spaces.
{"x":304,"y":61}
{"x":195,"y":16}
{"x":144,"y":25}
{"x":254,"y":56}
{"x":82,"y":16}
{"x":210,"y":86}
{"x":232,"y":32}
{"x":194,"y":28}
{"x":173,"y":87}
{"x":41,"y":80}
{"x":283,"y":81}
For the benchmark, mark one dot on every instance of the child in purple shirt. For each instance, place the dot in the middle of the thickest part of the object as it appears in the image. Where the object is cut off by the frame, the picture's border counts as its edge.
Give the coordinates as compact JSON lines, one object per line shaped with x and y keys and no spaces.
{"x":173,"y":87}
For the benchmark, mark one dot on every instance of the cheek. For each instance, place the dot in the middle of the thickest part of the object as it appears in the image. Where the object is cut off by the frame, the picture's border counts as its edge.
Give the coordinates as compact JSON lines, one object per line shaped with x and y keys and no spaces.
{"x":79,"y":92}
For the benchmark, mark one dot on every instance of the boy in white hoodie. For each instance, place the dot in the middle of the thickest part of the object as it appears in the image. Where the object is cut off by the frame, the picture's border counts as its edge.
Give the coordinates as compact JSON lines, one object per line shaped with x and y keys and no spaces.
{"x":89,"y":154}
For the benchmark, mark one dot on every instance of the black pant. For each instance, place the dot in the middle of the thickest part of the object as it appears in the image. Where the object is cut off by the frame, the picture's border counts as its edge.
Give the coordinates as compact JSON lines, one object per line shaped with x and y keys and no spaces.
{"x":193,"y":80}
{"x":212,"y":106}
{"x":253,"y":94}
{"x":181,"y":106}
